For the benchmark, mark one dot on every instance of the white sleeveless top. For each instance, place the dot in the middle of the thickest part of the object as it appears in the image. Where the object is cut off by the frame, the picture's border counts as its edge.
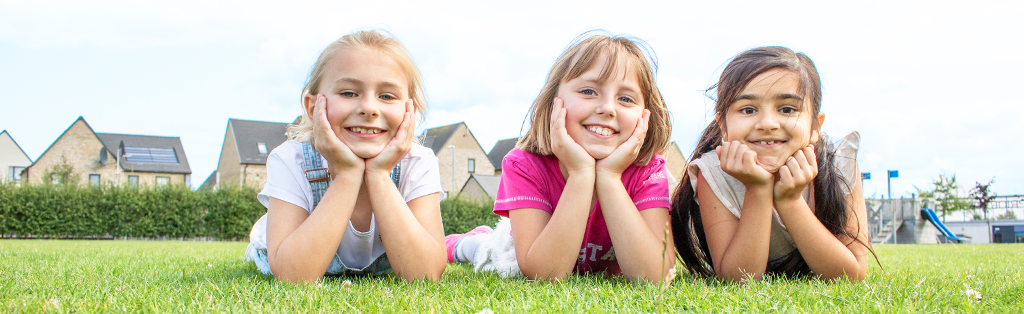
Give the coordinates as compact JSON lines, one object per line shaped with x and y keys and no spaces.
{"x":731,"y":191}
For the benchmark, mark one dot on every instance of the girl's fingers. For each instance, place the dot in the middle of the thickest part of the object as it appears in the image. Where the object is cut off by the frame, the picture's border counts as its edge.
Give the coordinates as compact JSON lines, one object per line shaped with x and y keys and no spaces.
{"x":812,"y":158}
{"x":785,"y":176}
{"x":556,"y":111}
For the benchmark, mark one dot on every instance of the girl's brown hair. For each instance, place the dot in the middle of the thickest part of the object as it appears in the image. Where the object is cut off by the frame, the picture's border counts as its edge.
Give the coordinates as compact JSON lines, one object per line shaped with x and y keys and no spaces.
{"x":830,"y":205}
{"x":372,"y":40}
{"x":580,"y":57}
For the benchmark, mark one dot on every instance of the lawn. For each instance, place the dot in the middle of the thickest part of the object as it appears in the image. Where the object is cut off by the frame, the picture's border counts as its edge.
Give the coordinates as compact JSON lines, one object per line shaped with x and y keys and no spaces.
{"x":174,"y":276}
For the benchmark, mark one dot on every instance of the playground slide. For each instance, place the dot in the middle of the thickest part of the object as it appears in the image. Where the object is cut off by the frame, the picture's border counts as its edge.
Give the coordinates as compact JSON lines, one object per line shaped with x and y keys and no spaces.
{"x":930,"y":214}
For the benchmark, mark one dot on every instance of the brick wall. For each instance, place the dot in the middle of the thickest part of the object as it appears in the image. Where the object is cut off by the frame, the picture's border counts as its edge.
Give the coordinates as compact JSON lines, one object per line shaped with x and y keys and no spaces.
{"x":80,"y":148}
{"x":466,"y":147}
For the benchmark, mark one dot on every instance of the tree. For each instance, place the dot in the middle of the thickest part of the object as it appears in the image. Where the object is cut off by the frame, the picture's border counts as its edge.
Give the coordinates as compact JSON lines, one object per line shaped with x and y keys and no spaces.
{"x":947,"y":195}
{"x":62,"y":173}
{"x":982,"y":196}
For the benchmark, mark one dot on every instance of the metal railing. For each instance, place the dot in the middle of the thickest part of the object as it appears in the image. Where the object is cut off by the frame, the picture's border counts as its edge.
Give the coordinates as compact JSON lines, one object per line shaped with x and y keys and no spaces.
{"x":888,"y":215}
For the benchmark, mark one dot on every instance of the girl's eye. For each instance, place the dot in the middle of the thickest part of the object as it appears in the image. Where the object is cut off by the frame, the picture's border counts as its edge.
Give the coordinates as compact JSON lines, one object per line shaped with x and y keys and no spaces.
{"x":588,"y":92}
{"x":388,"y":97}
{"x":626,"y":99}
{"x":349,"y":94}
{"x":747,"y":110}
{"x":787,"y":110}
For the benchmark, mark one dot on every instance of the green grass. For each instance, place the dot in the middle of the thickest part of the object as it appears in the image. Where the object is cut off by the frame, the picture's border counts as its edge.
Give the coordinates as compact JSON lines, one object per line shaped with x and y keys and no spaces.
{"x":172,"y":276}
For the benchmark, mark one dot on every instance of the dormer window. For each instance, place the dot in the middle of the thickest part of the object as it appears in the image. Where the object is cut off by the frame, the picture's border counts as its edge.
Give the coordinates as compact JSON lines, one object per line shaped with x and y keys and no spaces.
{"x":262,"y":147}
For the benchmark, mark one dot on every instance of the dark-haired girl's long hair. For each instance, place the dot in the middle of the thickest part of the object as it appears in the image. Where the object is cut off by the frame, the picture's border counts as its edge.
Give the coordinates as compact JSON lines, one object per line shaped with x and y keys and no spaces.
{"x":830,"y":205}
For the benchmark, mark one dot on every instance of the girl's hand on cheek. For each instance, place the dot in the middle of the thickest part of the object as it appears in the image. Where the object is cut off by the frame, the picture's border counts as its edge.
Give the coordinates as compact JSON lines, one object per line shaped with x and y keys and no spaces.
{"x":571,"y":154}
{"x":397,"y":148}
{"x":339,"y":157}
{"x":799,"y":170}
{"x":626,"y":153}
{"x":740,"y":162}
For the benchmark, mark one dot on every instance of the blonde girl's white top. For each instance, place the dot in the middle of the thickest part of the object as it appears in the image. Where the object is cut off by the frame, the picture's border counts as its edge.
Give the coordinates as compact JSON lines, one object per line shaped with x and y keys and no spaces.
{"x":286,"y":181}
{"x":731,"y":191}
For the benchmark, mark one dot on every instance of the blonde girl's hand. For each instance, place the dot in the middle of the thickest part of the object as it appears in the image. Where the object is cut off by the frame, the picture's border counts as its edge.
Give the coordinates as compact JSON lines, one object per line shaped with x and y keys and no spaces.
{"x":570,"y":153}
{"x":626,"y":153}
{"x":740,"y":162}
{"x":398,"y":147}
{"x":799,"y":171}
{"x":339,"y":157}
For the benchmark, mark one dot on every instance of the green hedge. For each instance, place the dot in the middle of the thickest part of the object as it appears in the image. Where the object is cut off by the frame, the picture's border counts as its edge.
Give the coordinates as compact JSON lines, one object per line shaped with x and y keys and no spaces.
{"x":461,"y":215}
{"x":119,"y":211}
{"x":82,"y":211}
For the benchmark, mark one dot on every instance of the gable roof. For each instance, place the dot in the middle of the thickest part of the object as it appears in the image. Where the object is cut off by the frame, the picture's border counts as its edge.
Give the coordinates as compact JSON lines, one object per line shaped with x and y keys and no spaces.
{"x":210,"y":182}
{"x":500,"y":149}
{"x":488,"y":182}
{"x":248,"y":133}
{"x":61,"y":136}
{"x":112,"y":142}
{"x":436,"y":137}
{"x":16,"y":145}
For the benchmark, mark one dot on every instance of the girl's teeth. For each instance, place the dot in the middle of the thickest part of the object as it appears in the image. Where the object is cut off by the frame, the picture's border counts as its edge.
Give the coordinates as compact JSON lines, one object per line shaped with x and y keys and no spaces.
{"x":600,"y":130}
{"x":366,"y":131}
{"x":767,"y":142}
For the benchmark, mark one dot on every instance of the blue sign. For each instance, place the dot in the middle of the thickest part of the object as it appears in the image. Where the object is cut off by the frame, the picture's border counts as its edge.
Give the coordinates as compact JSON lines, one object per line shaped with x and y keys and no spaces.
{"x":865,"y":176}
{"x":894,"y":173}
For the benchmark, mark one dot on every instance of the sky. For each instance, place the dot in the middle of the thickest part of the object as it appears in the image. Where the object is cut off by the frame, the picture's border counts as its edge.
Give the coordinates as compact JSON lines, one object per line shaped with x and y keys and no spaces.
{"x":928,"y":84}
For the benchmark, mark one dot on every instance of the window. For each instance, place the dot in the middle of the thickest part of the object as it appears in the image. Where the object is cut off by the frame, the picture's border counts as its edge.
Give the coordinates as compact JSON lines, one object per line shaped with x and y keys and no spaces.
{"x":55,"y":179}
{"x":162,"y":180}
{"x":15,"y":174}
{"x":262,"y":147}
{"x":150,"y":155}
{"x":471,"y":164}
{"x":94,"y":179}
{"x":133,"y":181}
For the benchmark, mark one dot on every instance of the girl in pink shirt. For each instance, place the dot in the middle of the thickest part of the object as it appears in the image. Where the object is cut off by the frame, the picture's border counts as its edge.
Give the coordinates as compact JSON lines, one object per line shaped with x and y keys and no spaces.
{"x":584,"y":190}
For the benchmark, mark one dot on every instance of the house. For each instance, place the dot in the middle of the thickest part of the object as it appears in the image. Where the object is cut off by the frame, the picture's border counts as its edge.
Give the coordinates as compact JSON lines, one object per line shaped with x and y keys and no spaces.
{"x":498,"y":152}
{"x":243,"y":156}
{"x":13,"y":159}
{"x":676,"y":164}
{"x":480,"y":187}
{"x":82,"y":155}
{"x":458,"y":152}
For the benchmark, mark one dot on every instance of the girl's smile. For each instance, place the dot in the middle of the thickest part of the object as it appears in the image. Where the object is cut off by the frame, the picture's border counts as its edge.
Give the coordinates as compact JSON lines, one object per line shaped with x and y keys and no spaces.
{"x":772,"y":118}
{"x":366,"y":92}
{"x":602,"y":109}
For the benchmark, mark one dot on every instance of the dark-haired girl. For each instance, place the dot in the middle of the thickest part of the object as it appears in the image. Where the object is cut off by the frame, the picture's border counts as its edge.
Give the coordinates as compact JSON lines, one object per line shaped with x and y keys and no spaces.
{"x":765,"y":192}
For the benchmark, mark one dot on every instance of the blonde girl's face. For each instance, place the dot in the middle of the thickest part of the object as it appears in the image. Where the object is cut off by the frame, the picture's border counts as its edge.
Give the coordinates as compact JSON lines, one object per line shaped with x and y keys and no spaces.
{"x":772,"y":118}
{"x":366,"y":93}
{"x":601,"y":115}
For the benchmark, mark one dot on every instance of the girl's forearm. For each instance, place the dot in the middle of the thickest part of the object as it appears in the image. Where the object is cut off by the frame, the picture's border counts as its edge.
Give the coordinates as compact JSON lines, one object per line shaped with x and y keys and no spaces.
{"x":747,"y":252}
{"x":824,"y":253}
{"x":640,"y":251}
{"x":554,"y":252}
{"x":305,"y":254}
{"x":413,"y":251}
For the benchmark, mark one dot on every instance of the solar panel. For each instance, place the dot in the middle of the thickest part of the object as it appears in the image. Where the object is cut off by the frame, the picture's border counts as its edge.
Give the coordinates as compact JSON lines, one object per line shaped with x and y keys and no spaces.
{"x":150,"y":155}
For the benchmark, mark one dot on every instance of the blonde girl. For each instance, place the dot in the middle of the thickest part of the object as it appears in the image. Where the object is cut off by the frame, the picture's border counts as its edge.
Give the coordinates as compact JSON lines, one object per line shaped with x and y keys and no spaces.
{"x":585,"y":190}
{"x":765,"y":192}
{"x":360,"y":106}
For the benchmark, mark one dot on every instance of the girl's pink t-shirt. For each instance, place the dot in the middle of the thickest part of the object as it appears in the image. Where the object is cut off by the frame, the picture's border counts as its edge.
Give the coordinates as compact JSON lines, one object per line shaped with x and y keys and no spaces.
{"x":534,"y":181}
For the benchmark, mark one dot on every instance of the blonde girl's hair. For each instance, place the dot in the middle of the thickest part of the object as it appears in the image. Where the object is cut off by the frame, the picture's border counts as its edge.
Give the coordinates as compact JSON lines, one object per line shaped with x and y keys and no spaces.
{"x":368,"y":39}
{"x":581,"y":57}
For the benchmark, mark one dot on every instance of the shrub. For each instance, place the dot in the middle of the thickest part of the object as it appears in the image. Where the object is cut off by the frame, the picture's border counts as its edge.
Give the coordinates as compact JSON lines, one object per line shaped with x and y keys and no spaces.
{"x":122,"y":211}
{"x":461,"y":215}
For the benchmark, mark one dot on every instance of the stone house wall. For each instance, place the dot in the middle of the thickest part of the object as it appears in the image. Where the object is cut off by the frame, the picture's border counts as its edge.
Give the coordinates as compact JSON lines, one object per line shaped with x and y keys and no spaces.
{"x":466,"y":147}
